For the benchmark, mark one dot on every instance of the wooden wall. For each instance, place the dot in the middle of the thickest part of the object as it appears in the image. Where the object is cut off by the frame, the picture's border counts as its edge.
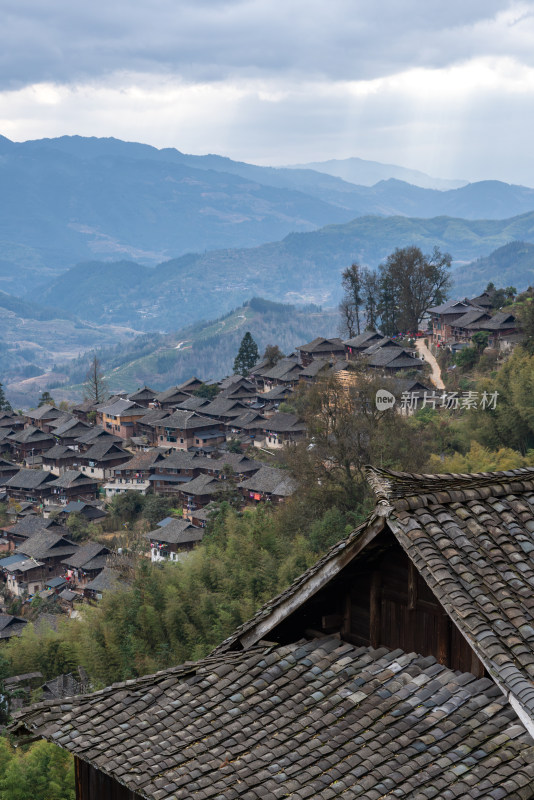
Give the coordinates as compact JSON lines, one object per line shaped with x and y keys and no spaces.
{"x":91,"y":784}
{"x":381,"y":600}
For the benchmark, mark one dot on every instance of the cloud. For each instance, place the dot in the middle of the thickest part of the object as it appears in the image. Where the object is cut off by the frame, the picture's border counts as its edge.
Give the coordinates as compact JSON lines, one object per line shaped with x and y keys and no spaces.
{"x":470,"y":121}
{"x":213,"y":40}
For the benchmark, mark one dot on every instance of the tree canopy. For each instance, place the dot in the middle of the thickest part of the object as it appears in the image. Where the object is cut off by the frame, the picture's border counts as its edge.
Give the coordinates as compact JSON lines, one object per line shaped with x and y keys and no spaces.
{"x":247,"y":356}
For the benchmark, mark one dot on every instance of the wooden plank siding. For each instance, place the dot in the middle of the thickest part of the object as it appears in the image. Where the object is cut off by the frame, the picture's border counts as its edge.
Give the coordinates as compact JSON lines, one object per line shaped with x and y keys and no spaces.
{"x":382,"y":601}
{"x":91,"y":784}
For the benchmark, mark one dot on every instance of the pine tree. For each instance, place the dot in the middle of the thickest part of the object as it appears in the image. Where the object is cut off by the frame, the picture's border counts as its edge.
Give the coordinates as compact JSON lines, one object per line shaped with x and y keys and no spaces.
{"x":46,"y":399}
{"x":247,"y":356}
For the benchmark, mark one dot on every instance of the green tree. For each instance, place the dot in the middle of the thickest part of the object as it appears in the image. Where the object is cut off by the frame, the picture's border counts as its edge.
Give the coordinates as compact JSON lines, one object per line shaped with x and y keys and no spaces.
{"x":414,"y":282}
{"x":46,"y":399}
{"x":156,"y":508}
{"x":370,"y":295}
{"x":247,"y":355}
{"x":480,"y":340}
{"x":272,"y":355}
{"x":207,"y":391}
{"x":5,"y":405}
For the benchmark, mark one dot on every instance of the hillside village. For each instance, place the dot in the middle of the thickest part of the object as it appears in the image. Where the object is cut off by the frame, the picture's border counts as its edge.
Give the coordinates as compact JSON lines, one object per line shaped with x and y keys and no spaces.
{"x":202,"y":445}
{"x":188,"y":444}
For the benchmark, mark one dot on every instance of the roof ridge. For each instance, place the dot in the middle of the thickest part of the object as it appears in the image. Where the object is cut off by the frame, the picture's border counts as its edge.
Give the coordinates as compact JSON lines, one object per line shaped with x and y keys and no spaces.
{"x":390,"y":484}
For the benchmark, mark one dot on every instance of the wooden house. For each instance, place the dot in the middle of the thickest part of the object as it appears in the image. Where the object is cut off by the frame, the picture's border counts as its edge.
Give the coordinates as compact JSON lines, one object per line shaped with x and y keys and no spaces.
{"x":85,"y":564}
{"x":42,"y":417}
{"x":72,"y":485}
{"x":279,"y":430}
{"x":59,"y":458}
{"x":29,"y":442}
{"x":120,"y":417}
{"x":101,"y":458}
{"x":357,"y":344}
{"x":399,"y":665}
{"x":268,"y":484}
{"x":30,"y":486}
{"x":143,"y":397}
{"x":321,"y":348}
{"x":11,"y":626}
{"x":183,"y":430}
{"x":172,"y":538}
{"x":134,"y":475}
{"x":168,"y":475}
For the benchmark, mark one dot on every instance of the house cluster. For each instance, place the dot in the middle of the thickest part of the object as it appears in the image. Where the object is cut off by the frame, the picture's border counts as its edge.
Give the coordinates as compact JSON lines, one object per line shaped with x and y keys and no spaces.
{"x":401,"y":664}
{"x":454,"y":323}
{"x":40,"y":559}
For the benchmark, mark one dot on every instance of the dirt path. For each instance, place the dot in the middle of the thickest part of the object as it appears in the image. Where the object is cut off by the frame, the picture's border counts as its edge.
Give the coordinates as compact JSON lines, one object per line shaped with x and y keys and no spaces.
{"x":424,"y":352}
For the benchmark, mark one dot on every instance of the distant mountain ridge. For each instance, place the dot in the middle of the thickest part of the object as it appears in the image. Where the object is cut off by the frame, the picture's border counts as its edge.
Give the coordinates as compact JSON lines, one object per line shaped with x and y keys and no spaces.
{"x":304,"y":267}
{"x":73,"y":199}
{"x":368,"y":173}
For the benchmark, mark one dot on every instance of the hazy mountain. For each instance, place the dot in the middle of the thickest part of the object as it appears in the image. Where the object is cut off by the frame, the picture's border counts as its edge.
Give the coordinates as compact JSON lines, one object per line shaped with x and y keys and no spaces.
{"x":511,"y":265}
{"x":367,"y":173}
{"x":73,"y":199}
{"x":301,"y":268}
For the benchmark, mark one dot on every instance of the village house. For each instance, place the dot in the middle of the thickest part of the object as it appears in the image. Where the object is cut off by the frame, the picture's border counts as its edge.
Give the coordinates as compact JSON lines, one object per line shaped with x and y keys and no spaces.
{"x":29,"y":442}
{"x":172,"y":538}
{"x":399,"y":664}
{"x":101,"y":458}
{"x":279,"y":430}
{"x":143,"y":397}
{"x":72,"y":485}
{"x":68,"y":432}
{"x":11,"y":626}
{"x":268,"y":484}
{"x":108,"y":580}
{"x":30,"y":486}
{"x":357,"y":344}
{"x":85,"y":564}
{"x":183,"y":430}
{"x":285,"y":372}
{"x":42,"y":417}
{"x":20,"y":531}
{"x":170,"y":398}
{"x":178,"y":468}
{"x":59,"y":458}
{"x":321,"y":348}
{"x":120,"y":417}
{"x":146,"y":426}
{"x":91,"y":512}
{"x":134,"y":475}
{"x":23,"y":576}
{"x":197,"y":493}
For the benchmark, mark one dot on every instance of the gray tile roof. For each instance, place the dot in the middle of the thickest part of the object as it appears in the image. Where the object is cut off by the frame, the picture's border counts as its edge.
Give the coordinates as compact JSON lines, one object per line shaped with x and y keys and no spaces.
{"x":270,"y":480}
{"x":84,"y":554}
{"x":122,"y":407}
{"x":71,"y":477}
{"x":47,"y":544}
{"x":177,"y":531}
{"x":322,"y":345}
{"x":472,"y":537}
{"x":312,"y":719}
{"x":29,"y":479}
{"x":363,"y":340}
{"x":31,"y":434}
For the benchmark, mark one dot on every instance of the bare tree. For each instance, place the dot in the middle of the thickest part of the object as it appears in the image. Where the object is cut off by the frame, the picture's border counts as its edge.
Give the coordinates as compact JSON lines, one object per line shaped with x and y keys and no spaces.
{"x":370,"y":297}
{"x":348,"y":319}
{"x":351,"y":281}
{"x":96,"y":388}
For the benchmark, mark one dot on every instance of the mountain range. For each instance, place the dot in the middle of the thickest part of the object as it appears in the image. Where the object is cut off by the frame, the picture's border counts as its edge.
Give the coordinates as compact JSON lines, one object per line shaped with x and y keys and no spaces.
{"x":302,"y":268}
{"x":74,"y":199}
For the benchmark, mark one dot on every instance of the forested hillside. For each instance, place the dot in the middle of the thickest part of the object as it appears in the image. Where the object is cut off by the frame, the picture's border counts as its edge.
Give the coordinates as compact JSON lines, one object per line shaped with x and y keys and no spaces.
{"x":205,"y":349}
{"x":301,"y":268}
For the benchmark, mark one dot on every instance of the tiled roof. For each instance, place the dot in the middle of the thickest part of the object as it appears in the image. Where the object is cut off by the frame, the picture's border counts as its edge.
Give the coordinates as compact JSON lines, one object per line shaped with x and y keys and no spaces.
{"x":177,"y":531}
{"x":471,"y":537}
{"x":186,"y":420}
{"x":31,"y":434}
{"x":121,"y":408}
{"x":316,"y":719}
{"x":270,"y":480}
{"x":29,"y":479}
{"x":46,"y":544}
{"x":71,"y":477}
{"x":322,"y":345}
{"x":44,"y":412}
{"x":84,"y":554}
{"x":283,"y":422}
{"x":363,"y":340}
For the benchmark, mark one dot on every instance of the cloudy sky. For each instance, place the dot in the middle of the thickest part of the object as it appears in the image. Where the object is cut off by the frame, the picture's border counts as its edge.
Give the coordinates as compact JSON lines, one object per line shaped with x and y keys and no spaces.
{"x":445,"y":86}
